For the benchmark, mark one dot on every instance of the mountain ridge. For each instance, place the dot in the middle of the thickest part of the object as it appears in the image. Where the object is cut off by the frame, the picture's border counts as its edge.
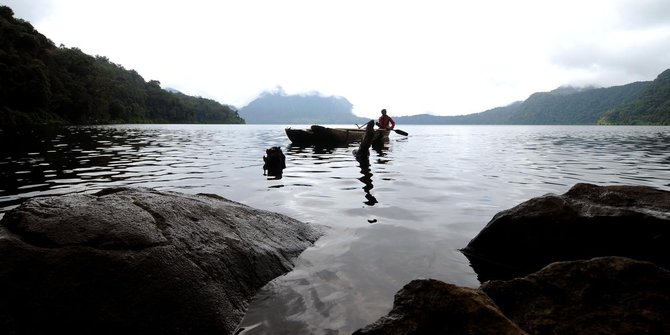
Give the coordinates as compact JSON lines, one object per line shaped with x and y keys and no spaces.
{"x":44,"y":84}
{"x":562,"y":106}
{"x":279,"y":108}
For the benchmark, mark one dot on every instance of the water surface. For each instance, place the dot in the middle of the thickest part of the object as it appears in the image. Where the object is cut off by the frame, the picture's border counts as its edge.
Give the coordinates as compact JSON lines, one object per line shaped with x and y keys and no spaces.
{"x":402,"y":215}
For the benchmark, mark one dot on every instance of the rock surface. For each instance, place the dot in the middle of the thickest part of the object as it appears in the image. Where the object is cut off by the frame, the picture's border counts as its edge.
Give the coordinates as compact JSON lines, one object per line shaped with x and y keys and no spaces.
{"x":433,"y":307}
{"x":139,"y":261}
{"x":608,"y":295}
{"x":588,"y":221}
{"x":575,"y":290}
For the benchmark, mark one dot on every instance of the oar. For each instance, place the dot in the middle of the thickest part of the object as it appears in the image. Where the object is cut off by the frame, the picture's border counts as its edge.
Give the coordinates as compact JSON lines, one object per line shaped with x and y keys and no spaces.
{"x":401,"y":132}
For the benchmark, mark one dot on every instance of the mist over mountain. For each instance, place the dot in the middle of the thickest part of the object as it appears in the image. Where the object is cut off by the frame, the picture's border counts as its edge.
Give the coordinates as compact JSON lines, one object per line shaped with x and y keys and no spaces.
{"x":41,"y":83}
{"x":646,"y":102}
{"x":279,"y":108}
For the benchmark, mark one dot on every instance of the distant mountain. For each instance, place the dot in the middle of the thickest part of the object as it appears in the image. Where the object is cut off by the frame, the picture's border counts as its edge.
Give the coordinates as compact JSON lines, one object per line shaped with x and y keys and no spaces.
{"x":280,"y":108}
{"x":498,"y":115}
{"x":651,"y":106}
{"x":564,"y":105}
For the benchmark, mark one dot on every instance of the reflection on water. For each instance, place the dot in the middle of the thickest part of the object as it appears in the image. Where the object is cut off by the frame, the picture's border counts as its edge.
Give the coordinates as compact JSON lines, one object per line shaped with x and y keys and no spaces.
{"x":366,"y":179}
{"x":401,"y":214}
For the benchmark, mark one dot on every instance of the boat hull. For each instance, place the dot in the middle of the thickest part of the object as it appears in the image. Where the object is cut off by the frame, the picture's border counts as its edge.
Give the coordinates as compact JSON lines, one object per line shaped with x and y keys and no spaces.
{"x":320,"y":135}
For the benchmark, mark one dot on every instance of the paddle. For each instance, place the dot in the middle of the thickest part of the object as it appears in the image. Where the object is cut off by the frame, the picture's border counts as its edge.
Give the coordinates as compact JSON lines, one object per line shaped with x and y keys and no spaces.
{"x":397,"y":131}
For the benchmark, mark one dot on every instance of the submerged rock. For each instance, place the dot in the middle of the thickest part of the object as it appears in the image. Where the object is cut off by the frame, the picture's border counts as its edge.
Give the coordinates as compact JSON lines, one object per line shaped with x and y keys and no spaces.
{"x":433,"y":307}
{"x":588,"y":221}
{"x":139,"y":261}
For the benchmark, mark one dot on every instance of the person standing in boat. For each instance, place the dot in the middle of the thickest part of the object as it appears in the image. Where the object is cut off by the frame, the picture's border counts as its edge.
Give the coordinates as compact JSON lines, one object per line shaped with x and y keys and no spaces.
{"x":385,"y":121}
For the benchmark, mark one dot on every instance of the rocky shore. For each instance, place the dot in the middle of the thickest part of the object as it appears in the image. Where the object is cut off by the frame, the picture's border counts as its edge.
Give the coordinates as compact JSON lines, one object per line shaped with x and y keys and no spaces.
{"x":139,"y":261}
{"x":591,"y":261}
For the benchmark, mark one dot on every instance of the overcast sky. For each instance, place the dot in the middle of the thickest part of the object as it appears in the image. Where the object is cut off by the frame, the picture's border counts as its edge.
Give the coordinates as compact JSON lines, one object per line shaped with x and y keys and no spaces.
{"x":410,"y":57}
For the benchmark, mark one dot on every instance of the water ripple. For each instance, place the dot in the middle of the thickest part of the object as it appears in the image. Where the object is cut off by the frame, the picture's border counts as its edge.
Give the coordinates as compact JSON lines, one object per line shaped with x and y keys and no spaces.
{"x":402,"y":215}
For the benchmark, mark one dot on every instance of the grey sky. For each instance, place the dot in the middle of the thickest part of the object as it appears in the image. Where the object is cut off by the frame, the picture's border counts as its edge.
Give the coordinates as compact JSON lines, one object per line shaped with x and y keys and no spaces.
{"x":410,"y":57}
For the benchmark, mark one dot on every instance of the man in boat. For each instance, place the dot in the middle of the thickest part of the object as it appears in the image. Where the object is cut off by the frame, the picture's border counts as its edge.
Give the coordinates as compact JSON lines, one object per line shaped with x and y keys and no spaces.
{"x":385,"y":121}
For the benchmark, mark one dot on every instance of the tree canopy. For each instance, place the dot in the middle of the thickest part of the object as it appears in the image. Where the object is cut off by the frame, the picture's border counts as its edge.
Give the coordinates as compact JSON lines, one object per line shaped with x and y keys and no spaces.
{"x":651,"y":107}
{"x":44,"y":84}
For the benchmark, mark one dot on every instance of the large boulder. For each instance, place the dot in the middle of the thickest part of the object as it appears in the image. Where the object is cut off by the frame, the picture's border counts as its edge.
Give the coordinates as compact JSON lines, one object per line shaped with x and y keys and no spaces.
{"x":588,"y":221}
{"x":608,"y":295}
{"x":572,"y":290}
{"x":139,"y":261}
{"x":430,"y":306}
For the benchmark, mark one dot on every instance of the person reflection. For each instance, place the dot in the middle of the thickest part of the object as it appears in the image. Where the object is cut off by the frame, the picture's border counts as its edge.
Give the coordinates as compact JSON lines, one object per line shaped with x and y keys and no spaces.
{"x":363,"y":158}
{"x":274,"y":163}
{"x":366,"y":179}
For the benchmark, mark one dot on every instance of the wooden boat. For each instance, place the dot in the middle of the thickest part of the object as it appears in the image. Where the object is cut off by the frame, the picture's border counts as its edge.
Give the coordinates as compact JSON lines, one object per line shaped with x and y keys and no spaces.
{"x":329,"y":136}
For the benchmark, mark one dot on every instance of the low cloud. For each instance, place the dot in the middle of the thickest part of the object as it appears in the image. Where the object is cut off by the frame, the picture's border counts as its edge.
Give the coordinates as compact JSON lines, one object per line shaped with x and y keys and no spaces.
{"x":644,"y":14}
{"x":634,"y":48}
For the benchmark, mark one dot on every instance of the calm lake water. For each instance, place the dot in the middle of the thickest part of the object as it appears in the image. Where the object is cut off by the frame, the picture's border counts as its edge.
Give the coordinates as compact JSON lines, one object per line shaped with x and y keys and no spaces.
{"x":403,"y":216}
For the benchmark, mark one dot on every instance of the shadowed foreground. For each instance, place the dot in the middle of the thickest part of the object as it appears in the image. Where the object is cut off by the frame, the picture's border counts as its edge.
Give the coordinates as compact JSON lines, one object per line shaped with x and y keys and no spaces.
{"x":139,"y":261}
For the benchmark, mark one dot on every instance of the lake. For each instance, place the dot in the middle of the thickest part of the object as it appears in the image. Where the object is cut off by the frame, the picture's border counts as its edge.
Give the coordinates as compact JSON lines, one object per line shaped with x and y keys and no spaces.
{"x":402,"y":216}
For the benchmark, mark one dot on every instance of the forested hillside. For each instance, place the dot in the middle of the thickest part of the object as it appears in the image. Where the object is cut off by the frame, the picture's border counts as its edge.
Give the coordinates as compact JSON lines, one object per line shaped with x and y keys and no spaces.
{"x":44,"y":84}
{"x":280,"y":108}
{"x":564,"y":105}
{"x":652,"y":106}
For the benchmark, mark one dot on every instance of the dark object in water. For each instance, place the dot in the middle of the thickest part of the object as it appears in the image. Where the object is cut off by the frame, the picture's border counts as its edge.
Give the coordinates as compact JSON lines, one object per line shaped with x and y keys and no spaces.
{"x":275,"y":162}
{"x":320,"y":135}
{"x":363,"y":150}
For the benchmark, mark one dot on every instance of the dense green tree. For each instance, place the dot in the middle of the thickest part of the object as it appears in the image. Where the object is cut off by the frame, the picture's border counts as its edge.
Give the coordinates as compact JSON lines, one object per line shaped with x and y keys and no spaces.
{"x":42,"y":83}
{"x":564,"y":105}
{"x":651,"y":107}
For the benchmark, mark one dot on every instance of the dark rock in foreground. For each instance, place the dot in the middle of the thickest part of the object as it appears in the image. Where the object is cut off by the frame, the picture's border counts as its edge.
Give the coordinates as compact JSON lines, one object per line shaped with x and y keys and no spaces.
{"x":584,"y":295}
{"x":588,"y":221}
{"x":608,"y":295}
{"x":139,"y":261}
{"x":433,"y":307}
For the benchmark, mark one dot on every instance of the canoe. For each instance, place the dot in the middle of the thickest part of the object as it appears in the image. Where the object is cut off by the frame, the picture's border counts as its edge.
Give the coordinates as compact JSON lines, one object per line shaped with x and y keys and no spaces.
{"x":329,"y":136}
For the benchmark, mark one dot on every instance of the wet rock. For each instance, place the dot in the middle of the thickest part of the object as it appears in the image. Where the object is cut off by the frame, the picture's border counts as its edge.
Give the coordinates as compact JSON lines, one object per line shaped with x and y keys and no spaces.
{"x":608,"y":295}
{"x":605,"y":295}
{"x":588,"y":221}
{"x":434,"y":307}
{"x":574,"y":291}
{"x":139,"y":261}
